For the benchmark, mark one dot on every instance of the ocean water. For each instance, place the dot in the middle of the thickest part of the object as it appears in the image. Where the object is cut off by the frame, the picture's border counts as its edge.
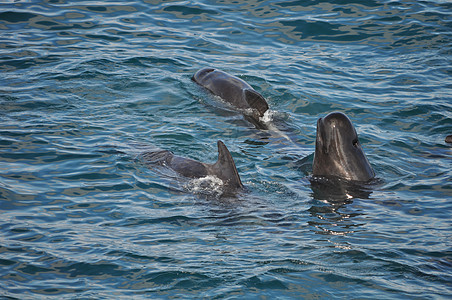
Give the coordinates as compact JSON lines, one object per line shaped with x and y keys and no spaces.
{"x":87,"y":85}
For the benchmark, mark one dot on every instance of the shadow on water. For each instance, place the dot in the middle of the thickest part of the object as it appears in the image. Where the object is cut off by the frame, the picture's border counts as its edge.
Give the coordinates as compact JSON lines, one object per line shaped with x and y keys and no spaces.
{"x":332,"y":212}
{"x":336,"y":190}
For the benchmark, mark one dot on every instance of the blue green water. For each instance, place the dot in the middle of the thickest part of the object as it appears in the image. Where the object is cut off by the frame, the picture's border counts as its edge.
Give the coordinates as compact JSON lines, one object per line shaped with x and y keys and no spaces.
{"x":84,"y":82}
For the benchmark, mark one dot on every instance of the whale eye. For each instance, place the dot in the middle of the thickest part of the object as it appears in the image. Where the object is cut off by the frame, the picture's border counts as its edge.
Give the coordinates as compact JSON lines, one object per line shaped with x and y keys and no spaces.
{"x":355,"y":143}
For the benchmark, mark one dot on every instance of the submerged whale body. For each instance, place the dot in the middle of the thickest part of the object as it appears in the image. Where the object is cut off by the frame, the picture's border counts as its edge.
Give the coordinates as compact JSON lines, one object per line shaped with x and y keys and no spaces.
{"x":232,"y":89}
{"x":338,"y":152}
{"x":223,"y":169}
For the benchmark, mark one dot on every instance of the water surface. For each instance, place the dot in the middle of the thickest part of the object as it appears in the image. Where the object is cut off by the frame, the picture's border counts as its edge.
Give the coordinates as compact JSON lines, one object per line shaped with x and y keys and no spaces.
{"x":86,"y":85}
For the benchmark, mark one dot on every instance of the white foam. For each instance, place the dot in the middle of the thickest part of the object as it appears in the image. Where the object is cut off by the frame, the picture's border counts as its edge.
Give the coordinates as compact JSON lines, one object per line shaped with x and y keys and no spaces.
{"x":267,"y":117}
{"x":210,"y":185}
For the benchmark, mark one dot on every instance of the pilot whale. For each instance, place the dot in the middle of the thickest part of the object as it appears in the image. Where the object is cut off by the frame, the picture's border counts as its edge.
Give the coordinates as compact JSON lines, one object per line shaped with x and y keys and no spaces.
{"x":338,"y":152}
{"x":232,"y":89}
{"x":223,"y":169}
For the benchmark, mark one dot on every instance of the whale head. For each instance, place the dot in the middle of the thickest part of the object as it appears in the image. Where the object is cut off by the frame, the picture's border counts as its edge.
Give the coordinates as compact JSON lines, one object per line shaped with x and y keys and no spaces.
{"x":338,"y":152}
{"x":200,"y":76}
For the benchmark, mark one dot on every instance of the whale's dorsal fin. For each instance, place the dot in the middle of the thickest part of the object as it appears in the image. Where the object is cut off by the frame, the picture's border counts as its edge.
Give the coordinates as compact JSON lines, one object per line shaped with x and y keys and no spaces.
{"x":256,"y":101}
{"x":225,"y":167}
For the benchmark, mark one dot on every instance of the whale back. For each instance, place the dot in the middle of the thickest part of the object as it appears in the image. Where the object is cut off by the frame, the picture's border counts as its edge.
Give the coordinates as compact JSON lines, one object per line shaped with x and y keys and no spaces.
{"x":231,"y":89}
{"x":224,"y":168}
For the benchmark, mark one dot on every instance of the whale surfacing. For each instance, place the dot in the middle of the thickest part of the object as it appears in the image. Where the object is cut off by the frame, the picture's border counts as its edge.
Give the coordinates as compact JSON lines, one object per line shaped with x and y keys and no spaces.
{"x":223,"y":169}
{"x":232,"y":89}
{"x":338,"y":152}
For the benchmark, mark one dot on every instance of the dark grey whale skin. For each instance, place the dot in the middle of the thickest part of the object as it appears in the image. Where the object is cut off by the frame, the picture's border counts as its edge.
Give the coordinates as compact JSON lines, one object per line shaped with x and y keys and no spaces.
{"x":231,"y":89}
{"x":338,"y":152}
{"x":224,"y":168}
{"x":448,"y":139}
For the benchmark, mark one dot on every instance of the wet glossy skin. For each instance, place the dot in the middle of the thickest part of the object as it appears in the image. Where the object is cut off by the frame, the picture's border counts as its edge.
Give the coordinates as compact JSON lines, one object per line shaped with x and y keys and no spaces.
{"x":224,"y":168}
{"x":338,"y":152}
{"x":231,"y":89}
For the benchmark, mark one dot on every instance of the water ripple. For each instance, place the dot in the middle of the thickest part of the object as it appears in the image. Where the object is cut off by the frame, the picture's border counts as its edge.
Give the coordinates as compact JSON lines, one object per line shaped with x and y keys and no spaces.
{"x":85,"y":82}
